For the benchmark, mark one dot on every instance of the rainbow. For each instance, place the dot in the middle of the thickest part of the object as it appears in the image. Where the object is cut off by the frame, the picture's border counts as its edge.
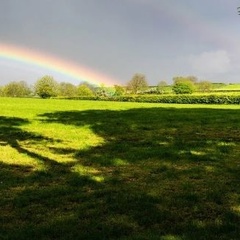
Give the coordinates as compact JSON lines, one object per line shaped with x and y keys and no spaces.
{"x":50,"y":62}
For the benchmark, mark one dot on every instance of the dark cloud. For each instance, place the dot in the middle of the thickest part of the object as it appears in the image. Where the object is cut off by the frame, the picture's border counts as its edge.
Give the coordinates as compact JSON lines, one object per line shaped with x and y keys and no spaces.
{"x":120,"y":38}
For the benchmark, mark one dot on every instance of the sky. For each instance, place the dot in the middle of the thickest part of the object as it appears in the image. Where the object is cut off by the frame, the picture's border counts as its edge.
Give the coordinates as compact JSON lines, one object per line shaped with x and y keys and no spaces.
{"x":111,"y":40}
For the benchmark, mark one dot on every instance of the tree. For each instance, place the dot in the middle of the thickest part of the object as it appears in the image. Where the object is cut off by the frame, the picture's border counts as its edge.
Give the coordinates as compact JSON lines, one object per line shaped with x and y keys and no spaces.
{"x":46,"y":87}
{"x":67,"y":90}
{"x":89,"y":85}
{"x":119,"y":90}
{"x":161,"y":86}
{"x":204,"y":86}
{"x":182,"y":88}
{"x":16,"y":89}
{"x":192,"y":79}
{"x":137,"y":83}
{"x":183,"y":85}
{"x":101,"y":91}
{"x":84,"y":90}
{"x":2,"y":91}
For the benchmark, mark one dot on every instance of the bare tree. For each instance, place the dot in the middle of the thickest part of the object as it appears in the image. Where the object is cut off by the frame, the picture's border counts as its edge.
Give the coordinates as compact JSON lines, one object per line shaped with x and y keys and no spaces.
{"x":137,"y":83}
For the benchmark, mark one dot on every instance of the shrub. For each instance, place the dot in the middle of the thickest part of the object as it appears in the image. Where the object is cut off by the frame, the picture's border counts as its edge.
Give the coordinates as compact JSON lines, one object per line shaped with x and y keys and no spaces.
{"x":183,"y":87}
{"x":181,"y":99}
{"x":46,"y":87}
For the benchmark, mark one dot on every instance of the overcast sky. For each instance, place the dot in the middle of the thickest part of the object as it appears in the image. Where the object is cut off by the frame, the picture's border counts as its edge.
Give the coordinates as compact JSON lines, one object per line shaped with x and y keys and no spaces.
{"x":159,"y":38}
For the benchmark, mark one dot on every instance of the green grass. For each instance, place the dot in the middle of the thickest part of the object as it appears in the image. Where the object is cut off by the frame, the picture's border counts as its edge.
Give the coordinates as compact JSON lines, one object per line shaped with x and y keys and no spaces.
{"x":110,"y":170}
{"x":229,"y":87}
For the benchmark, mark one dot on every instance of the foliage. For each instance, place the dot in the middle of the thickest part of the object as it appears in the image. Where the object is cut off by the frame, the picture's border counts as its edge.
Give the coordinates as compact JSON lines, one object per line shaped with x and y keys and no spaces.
{"x":119,"y":90}
{"x":204,"y":86}
{"x":16,"y":89}
{"x":183,"y":85}
{"x":192,"y":99}
{"x":191,"y":79}
{"x":172,"y":98}
{"x":67,"y":90}
{"x":161,"y":86}
{"x":84,"y":90}
{"x":2,"y":91}
{"x":91,"y":86}
{"x":46,"y":87}
{"x":105,"y":92}
{"x":111,"y":170}
{"x":138,"y":83}
{"x":183,"y":88}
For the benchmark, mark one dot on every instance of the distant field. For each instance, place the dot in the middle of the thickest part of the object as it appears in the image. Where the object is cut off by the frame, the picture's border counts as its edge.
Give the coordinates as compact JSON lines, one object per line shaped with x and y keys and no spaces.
{"x":228,"y":87}
{"x":110,"y":170}
{"x":216,"y":87}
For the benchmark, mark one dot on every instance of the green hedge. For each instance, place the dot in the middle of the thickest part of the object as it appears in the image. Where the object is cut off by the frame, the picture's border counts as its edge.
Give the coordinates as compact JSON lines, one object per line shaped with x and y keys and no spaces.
{"x":192,"y":99}
{"x":181,"y":99}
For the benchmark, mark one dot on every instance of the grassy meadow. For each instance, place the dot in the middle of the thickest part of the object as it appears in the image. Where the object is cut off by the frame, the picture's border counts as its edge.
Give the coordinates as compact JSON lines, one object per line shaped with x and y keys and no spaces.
{"x":110,"y":170}
{"x":234,"y":87}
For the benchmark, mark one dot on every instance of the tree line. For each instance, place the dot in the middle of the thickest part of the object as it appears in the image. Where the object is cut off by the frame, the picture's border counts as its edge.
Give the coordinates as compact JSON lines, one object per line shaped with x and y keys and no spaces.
{"x":47,"y":87}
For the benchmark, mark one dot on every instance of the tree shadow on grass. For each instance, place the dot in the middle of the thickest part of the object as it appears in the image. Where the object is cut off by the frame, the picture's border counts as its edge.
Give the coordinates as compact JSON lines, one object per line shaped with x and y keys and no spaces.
{"x":138,"y":134}
{"x":168,"y":174}
{"x":12,"y":135}
{"x":186,"y":160}
{"x":31,"y":201}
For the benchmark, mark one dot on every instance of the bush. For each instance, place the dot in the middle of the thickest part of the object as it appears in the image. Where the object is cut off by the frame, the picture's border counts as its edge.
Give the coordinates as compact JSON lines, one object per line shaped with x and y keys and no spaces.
{"x":46,"y":87}
{"x":184,"y":87}
{"x":16,"y":89}
{"x":181,"y":99}
{"x":84,"y":91}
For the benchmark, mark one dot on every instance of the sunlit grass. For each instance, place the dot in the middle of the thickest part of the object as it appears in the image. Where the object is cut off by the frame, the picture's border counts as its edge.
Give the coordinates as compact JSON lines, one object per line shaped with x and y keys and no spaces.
{"x":11,"y":156}
{"x":90,"y":172}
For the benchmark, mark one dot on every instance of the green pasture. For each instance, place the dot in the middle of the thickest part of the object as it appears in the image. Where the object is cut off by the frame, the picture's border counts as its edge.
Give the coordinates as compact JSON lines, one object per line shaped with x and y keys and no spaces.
{"x":229,"y":87}
{"x":110,"y":170}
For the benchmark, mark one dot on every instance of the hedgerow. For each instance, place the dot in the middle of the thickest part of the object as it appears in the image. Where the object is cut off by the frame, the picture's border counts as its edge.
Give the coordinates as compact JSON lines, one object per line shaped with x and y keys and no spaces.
{"x":180,"y":98}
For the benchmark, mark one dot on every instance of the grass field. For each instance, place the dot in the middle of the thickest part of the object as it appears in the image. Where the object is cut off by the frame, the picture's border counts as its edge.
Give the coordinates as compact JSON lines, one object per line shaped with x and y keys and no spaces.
{"x":228,"y":88}
{"x":111,"y":170}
